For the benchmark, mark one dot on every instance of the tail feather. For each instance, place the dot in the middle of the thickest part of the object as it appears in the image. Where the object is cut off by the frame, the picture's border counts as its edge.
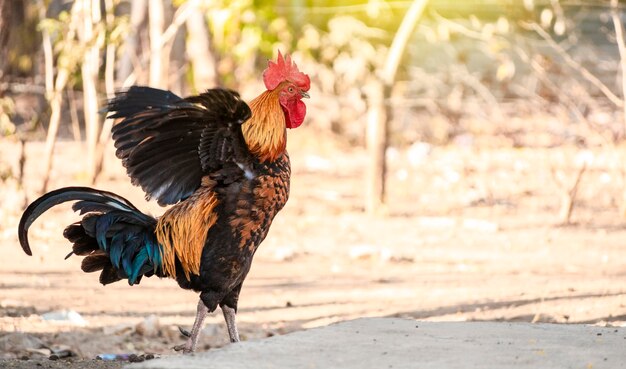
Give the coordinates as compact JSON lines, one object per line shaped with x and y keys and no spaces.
{"x":52,"y":198}
{"x":113,"y":235}
{"x":139,"y":265}
{"x":109,"y":275}
{"x":89,"y":224}
{"x":82,"y":243}
{"x":95,"y":262}
{"x":74,"y":232}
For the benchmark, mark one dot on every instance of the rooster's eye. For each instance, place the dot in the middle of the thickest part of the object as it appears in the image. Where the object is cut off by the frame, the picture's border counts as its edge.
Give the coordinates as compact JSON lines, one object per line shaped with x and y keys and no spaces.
{"x":290,"y":89}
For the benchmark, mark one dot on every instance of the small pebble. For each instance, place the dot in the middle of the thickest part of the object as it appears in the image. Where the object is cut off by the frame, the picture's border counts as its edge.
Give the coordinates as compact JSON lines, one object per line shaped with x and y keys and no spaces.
{"x":135,"y":359}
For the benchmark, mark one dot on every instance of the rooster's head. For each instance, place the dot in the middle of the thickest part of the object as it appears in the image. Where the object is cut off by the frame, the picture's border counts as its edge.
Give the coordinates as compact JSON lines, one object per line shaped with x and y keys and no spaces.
{"x":292,"y":86}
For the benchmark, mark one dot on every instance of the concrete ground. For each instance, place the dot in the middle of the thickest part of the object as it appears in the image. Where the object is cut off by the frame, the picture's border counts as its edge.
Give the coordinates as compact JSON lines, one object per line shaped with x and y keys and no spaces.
{"x":378,"y":343}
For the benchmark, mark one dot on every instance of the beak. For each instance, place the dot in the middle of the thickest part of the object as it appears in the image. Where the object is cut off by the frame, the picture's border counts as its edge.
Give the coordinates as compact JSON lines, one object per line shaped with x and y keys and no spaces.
{"x":304,"y":94}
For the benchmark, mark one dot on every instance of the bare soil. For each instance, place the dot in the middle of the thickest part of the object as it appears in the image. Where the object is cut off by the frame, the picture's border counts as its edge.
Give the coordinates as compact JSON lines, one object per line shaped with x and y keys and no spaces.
{"x":468,"y":234}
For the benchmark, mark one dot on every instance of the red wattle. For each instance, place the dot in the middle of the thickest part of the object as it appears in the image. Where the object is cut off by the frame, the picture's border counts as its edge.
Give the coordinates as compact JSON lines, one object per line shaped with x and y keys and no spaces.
{"x":294,"y":113}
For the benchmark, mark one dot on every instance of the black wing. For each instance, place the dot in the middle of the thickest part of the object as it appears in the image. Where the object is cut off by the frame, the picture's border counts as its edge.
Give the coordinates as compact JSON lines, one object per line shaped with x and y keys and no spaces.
{"x":167,"y":143}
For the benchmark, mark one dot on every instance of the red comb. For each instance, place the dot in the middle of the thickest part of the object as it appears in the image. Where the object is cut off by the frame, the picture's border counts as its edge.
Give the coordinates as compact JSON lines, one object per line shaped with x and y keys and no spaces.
{"x":284,"y":70}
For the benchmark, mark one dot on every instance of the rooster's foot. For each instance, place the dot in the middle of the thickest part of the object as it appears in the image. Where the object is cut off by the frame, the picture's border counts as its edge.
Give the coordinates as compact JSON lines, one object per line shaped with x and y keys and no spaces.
{"x":186,"y":348}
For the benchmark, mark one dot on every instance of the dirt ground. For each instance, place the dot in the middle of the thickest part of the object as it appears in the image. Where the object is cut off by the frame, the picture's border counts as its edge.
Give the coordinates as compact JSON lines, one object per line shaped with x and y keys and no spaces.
{"x":468,"y":234}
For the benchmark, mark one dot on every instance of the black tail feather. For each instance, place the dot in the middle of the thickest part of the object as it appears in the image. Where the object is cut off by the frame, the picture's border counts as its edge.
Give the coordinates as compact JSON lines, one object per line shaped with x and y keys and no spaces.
{"x":74,"y":232}
{"x":62,"y":195}
{"x":88,"y":223}
{"x":114,"y":236}
{"x":109,"y":275}
{"x":83,"y":244}
{"x":95,"y":262}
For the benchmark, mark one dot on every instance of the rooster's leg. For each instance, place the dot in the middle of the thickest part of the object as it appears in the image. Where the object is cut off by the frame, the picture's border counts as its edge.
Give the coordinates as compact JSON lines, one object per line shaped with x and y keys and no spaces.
{"x":231,"y":324}
{"x":190,"y":345}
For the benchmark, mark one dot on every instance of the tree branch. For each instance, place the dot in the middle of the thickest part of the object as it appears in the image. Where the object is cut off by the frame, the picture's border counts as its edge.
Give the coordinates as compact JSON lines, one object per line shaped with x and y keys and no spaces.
{"x":573,"y":64}
{"x":619,"y":38}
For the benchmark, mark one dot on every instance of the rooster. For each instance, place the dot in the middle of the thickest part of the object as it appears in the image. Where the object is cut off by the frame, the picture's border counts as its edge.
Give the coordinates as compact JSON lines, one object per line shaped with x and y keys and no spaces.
{"x":223,"y":166}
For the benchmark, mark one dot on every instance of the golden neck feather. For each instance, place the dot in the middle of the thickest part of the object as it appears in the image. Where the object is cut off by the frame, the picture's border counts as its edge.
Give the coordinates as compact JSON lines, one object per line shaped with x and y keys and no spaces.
{"x":265,"y":132}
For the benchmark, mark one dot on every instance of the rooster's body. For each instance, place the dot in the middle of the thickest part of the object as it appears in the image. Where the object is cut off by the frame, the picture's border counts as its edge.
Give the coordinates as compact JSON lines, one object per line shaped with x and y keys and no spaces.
{"x":222,"y":165}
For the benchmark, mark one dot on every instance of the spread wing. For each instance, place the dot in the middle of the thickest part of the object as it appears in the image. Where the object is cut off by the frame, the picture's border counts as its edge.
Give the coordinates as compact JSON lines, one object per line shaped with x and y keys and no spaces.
{"x":167,"y":143}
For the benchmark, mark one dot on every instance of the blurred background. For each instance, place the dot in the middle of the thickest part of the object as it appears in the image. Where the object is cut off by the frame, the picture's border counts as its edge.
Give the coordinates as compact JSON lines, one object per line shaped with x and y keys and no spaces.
{"x":460,"y":160}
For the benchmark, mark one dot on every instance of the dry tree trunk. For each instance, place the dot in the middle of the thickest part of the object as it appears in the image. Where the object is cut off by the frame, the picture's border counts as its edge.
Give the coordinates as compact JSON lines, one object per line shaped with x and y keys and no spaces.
{"x":71,"y":100}
{"x":376,"y":142}
{"x":5,"y":28}
{"x":89,"y":70}
{"x":199,"y":49}
{"x":109,"y":69}
{"x":48,"y":54}
{"x":155,"y":10}
{"x":379,"y":112}
{"x":174,"y":56}
{"x":166,"y":47}
{"x":178,"y":64}
{"x":130,"y":55}
{"x":619,"y":38}
{"x":55,"y":117}
{"x":56,"y":98}
{"x":568,"y":192}
{"x":20,"y":178}
{"x":180,"y":17}
{"x":109,"y":85}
